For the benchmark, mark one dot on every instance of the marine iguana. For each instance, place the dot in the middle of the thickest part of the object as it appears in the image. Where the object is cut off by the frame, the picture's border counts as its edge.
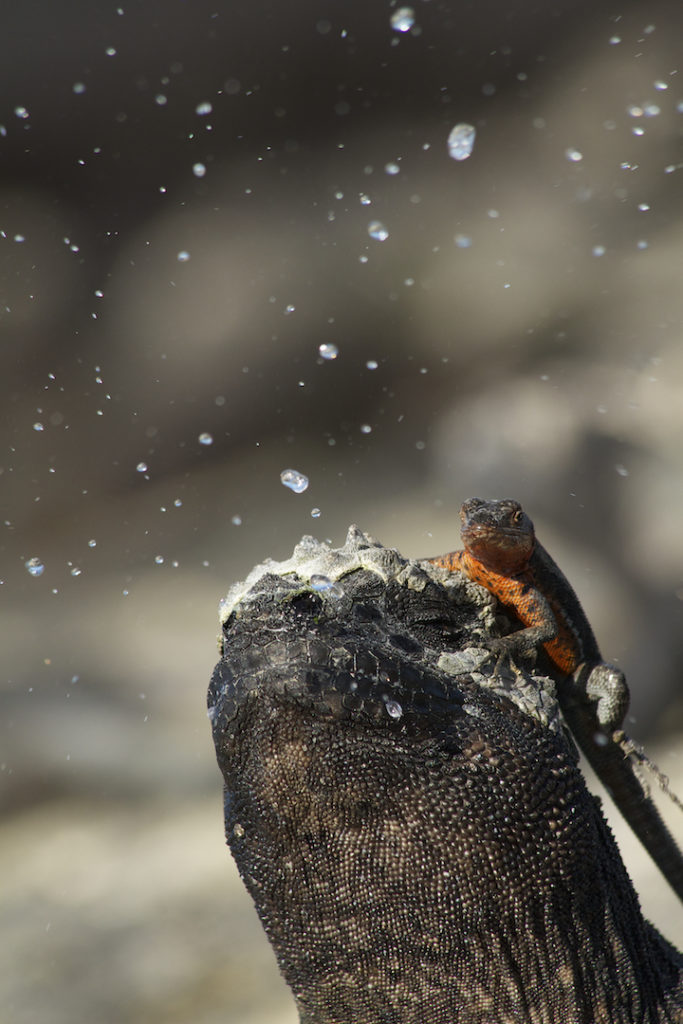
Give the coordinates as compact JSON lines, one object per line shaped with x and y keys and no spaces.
{"x":408,"y":815}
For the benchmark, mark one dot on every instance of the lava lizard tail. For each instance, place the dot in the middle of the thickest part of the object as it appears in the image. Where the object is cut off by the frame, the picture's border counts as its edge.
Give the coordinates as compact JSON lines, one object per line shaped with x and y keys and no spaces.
{"x":502,"y":554}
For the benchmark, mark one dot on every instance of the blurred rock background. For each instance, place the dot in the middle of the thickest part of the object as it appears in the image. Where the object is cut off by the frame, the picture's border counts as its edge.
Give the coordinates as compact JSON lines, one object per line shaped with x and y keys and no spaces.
{"x":186,"y":191}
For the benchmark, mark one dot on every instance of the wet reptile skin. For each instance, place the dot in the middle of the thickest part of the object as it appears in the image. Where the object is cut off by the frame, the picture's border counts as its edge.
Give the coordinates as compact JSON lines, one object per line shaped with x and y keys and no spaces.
{"x":420,"y":848}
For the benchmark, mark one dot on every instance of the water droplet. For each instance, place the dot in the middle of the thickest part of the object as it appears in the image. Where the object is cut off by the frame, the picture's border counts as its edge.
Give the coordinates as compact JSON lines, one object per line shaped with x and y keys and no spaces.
{"x":177,"y":502}
{"x":203,"y":109}
{"x":463,"y":241}
{"x":392,"y":168}
{"x":319,"y":582}
{"x":599,"y":250}
{"x":372,"y":364}
{"x":35,"y":567}
{"x":21,"y":112}
{"x":394,"y":709}
{"x":574,"y":155}
{"x":461,"y":141}
{"x":289,"y":309}
{"x":315,"y":513}
{"x":643,"y":207}
{"x":141,"y":467}
{"x":78,"y":88}
{"x":38,"y":426}
{"x":323,"y":584}
{"x":614,"y":40}
{"x":365,"y":428}
{"x":365,"y":200}
{"x":328,"y":351}
{"x":621,"y":470}
{"x":110,"y":51}
{"x":205,"y":438}
{"x":296,"y":481}
{"x":183,"y":256}
{"x":161,"y":100}
{"x":403,"y":19}
{"x":236,"y":520}
{"x":637,"y":131}
{"x":378,"y":231}
{"x":76,"y":571}
{"x":660,"y":85}
{"x":159,"y":559}
{"x":199,"y":170}
{"x":642,"y":244}
{"x":651,"y":110}
{"x":92,"y":543}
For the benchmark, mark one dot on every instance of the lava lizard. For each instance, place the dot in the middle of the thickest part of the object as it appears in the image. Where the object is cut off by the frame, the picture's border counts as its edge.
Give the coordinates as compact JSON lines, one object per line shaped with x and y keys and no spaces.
{"x":503,"y":555}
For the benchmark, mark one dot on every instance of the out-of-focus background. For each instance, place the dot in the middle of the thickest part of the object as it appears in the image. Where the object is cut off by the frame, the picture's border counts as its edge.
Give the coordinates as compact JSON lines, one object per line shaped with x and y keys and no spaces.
{"x":194,"y":198}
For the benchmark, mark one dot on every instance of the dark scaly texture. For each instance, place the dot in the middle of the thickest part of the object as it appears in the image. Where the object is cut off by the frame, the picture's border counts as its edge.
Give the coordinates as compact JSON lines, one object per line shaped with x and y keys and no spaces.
{"x":416,"y":835}
{"x":503,"y":554}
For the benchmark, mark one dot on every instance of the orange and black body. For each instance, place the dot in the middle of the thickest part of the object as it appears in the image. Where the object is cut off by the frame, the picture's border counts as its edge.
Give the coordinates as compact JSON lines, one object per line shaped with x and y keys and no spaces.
{"x":502,"y":554}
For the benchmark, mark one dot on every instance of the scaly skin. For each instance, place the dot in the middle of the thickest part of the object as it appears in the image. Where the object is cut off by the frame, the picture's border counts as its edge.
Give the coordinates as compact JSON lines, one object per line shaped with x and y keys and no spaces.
{"x":502,"y":554}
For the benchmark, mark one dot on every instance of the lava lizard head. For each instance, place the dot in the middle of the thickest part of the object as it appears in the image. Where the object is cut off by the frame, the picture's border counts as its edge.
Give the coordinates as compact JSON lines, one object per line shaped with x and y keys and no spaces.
{"x":499,"y":534}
